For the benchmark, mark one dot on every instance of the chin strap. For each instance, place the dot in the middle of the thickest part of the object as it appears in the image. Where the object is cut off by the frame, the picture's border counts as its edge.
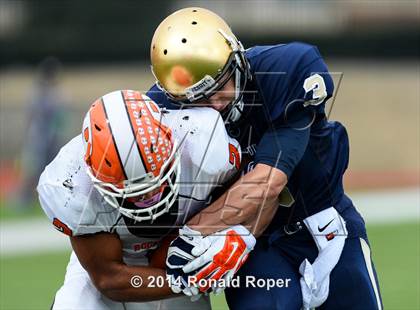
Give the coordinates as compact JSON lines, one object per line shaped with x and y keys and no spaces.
{"x":236,"y":109}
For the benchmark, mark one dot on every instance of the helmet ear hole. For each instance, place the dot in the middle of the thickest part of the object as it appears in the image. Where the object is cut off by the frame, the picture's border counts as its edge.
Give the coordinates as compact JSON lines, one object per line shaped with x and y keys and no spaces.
{"x":165,"y":51}
{"x":184,"y":40}
{"x":194,"y":23}
{"x":97,"y":128}
{"x":108,"y":163}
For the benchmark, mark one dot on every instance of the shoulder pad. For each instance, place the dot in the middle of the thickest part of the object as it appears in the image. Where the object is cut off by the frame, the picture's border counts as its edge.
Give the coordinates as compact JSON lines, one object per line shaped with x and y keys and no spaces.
{"x":67,"y":197}
{"x":203,"y":138}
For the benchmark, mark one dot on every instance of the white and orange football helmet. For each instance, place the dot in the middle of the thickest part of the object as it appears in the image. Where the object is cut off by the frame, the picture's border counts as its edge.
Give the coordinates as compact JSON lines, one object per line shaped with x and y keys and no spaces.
{"x":132,"y":159}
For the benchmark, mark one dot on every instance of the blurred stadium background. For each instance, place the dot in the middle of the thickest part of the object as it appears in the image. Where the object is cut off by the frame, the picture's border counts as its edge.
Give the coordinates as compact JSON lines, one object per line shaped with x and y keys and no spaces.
{"x":371,"y":46}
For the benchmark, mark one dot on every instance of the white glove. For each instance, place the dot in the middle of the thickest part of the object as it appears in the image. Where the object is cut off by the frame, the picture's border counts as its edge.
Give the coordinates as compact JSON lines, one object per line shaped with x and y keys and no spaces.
{"x":314,"y":295}
{"x":179,"y":254}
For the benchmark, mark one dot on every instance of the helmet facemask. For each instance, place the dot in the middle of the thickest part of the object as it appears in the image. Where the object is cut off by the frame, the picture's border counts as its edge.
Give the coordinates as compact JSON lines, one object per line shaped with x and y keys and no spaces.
{"x":167,"y":182}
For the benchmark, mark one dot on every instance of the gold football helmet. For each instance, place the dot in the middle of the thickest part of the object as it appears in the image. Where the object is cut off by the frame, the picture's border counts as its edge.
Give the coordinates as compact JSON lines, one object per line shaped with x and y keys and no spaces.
{"x":193,"y":54}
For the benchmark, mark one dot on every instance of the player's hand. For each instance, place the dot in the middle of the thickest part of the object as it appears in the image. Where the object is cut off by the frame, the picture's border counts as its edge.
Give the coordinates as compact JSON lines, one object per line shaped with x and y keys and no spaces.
{"x":179,"y":254}
{"x":219,"y":256}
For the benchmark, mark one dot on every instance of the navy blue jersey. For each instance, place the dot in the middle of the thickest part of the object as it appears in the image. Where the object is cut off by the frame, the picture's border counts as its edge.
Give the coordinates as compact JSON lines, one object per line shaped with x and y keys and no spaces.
{"x":284,"y":126}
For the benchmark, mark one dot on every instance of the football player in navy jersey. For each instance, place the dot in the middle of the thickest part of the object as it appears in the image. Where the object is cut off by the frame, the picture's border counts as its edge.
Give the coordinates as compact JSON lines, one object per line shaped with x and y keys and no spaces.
{"x":272,"y":99}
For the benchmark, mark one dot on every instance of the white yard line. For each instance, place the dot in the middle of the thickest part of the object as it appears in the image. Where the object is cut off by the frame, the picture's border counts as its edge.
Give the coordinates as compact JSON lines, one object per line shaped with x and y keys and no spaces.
{"x":379,"y":207}
{"x":31,"y":236}
{"x":388,"y":206}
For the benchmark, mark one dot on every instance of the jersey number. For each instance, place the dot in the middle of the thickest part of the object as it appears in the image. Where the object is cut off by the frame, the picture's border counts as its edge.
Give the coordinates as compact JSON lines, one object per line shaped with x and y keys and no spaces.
{"x":234,"y":158}
{"x":60,"y":226}
{"x":316,"y":84}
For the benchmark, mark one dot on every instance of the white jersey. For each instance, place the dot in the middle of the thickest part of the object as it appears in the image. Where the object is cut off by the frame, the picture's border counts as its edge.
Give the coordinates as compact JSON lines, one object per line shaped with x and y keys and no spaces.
{"x":209,"y":157}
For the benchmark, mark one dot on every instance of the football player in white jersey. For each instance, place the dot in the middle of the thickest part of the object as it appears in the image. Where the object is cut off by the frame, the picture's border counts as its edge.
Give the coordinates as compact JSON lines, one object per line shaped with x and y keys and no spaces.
{"x":116,"y":190}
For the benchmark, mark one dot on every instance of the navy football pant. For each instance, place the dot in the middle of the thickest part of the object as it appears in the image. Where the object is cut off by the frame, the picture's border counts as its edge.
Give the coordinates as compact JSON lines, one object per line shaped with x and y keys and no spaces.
{"x":353,"y":282}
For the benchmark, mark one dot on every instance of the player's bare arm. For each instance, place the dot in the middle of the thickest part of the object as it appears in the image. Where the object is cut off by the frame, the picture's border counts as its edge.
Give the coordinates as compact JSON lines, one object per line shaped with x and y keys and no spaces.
{"x":259,"y":223}
{"x":101,"y":256}
{"x":253,"y":200}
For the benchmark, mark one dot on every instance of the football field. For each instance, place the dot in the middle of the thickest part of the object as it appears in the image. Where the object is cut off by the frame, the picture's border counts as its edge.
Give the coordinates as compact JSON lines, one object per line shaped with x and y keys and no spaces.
{"x":101,"y":102}
{"x":29,"y":281}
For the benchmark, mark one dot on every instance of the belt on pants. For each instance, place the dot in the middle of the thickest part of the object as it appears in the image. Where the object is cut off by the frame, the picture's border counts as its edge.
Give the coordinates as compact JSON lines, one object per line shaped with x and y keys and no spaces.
{"x":285,"y":230}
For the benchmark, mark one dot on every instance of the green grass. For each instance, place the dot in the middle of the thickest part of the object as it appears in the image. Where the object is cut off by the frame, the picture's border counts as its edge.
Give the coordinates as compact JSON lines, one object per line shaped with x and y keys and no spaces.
{"x":29,"y":282}
{"x":396,"y":253}
{"x":11,"y":211}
